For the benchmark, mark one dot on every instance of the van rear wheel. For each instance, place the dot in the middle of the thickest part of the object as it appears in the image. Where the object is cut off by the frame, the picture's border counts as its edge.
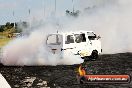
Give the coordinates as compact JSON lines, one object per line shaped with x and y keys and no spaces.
{"x":94,"y":55}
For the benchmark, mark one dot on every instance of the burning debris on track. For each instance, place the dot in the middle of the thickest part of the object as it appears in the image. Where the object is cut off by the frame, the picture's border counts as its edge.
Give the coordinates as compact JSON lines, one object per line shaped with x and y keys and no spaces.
{"x":65,"y":76}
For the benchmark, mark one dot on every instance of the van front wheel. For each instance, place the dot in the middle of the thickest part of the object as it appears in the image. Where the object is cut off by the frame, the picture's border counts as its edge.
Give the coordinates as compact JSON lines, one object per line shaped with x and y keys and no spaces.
{"x":94,"y":55}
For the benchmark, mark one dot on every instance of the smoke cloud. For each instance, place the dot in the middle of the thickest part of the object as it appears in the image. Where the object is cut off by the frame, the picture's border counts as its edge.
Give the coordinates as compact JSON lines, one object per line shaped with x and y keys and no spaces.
{"x":111,"y":19}
{"x":32,"y":50}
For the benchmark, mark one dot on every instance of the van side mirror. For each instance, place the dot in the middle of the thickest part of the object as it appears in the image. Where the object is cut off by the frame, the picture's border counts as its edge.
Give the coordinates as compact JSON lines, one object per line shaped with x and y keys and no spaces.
{"x":98,"y":37}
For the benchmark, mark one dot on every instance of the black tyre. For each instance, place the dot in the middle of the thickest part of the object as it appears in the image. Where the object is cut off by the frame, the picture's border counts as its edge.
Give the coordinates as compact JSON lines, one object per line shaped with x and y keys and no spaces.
{"x":85,"y":58}
{"x":94,"y":55}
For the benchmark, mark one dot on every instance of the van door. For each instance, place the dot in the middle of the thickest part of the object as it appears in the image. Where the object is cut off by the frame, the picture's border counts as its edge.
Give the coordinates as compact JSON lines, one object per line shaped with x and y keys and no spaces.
{"x":54,"y":43}
{"x":69,"y":43}
{"x":90,"y":41}
{"x":81,"y":44}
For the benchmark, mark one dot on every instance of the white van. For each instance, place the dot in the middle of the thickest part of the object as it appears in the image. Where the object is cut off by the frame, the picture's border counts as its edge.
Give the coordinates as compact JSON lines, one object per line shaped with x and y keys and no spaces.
{"x":83,"y":43}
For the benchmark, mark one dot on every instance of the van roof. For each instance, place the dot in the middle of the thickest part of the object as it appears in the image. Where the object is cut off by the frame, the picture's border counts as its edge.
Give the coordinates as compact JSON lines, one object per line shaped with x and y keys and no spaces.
{"x":72,"y":32}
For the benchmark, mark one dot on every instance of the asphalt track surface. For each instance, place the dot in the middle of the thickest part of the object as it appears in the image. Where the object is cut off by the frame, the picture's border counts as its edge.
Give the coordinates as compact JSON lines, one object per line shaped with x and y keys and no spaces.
{"x":64,"y":76}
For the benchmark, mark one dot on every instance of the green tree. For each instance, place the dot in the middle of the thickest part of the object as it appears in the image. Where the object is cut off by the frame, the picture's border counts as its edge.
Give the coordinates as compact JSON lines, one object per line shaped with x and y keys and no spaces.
{"x":2,"y":28}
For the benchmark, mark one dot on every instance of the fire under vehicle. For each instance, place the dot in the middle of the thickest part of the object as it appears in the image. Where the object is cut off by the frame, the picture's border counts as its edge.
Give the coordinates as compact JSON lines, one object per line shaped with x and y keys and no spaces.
{"x":82,"y":43}
{"x":83,"y":77}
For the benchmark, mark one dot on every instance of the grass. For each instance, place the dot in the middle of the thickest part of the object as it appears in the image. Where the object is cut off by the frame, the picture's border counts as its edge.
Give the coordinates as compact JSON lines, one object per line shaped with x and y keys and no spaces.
{"x":5,"y":34}
{"x":4,"y":41}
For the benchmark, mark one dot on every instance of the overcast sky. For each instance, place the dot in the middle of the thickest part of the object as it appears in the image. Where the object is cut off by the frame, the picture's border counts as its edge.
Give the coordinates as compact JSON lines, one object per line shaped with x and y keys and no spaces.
{"x":16,"y":10}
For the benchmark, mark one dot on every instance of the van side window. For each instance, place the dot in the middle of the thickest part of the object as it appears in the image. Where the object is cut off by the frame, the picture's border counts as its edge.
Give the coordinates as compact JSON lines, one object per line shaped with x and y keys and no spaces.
{"x":80,"y":38}
{"x":69,"y":39}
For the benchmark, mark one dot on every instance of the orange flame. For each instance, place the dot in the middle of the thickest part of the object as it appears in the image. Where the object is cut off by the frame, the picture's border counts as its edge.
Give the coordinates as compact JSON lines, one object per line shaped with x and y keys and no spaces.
{"x":81,"y":70}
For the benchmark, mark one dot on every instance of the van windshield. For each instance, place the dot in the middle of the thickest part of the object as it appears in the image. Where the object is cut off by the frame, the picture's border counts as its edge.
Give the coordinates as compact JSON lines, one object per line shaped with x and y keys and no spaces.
{"x":54,"y":39}
{"x":91,"y":35}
